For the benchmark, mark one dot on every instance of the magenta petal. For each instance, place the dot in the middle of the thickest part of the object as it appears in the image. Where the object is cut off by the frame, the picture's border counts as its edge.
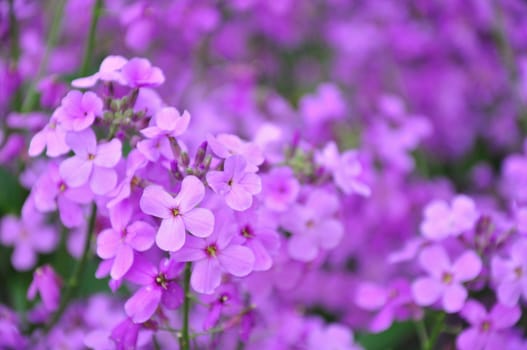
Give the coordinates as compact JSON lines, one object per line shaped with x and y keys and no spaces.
{"x":75,"y":171}
{"x":262,"y":259}
{"x":103,"y":180}
{"x":171,"y":234}
{"x":370,"y":296}
{"x":454,"y":298}
{"x":434,"y":260}
{"x":191,"y":194}
{"x":70,"y":213}
{"x":23,"y":258}
{"x":302,"y":248}
{"x":38,"y":143}
{"x":251,"y":183}
{"x":509,"y":292}
{"x":157,"y":202}
{"x":83,"y":142}
{"x":206,"y":276}
{"x":382,"y":321}
{"x":473,"y":312}
{"x":199,"y":222}
{"x":471,"y":339}
{"x":217,"y":180}
{"x":107,"y":243}
{"x":467,"y":266}
{"x":426,"y":291}
{"x":142,"y":305}
{"x":504,"y":317}
{"x":140,"y":236}
{"x":108,"y":154}
{"x":194,"y":249}
{"x":237,"y":260}
{"x":172,"y":296}
{"x":238,"y":198}
{"x":122,"y":262}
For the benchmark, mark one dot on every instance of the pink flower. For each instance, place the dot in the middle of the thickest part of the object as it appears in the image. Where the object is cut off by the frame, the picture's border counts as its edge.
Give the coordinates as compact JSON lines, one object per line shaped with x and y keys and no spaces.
{"x":91,"y":163}
{"x":445,"y":279}
{"x":138,"y":72}
{"x":226,"y":145}
{"x":109,"y":70}
{"x":179,"y":213}
{"x":119,"y":242}
{"x":214,"y":255}
{"x":488,"y":330}
{"x":48,"y":284}
{"x":78,"y":111}
{"x":235,"y":183}
{"x":313,"y":226}
{"x":443,"y":220}
{"x":158,"y":286}
{"x":52,"y":137}
{"x":280,"y":189}
{"x":510,"y":274}
{"x":168,"y":122}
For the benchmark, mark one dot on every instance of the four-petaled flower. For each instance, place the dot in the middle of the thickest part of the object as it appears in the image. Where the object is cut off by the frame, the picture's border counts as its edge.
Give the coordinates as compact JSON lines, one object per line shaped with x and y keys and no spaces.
{"x":178,"y":214}
{"x":445,"y":280}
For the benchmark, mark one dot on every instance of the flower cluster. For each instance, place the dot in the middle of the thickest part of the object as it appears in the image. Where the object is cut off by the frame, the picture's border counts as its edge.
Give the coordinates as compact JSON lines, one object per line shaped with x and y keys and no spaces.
{"x":258,"y":174}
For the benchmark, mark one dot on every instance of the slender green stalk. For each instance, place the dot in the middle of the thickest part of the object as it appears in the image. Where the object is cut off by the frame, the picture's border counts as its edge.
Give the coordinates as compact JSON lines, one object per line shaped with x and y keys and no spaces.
{"x":13,"y":33}
{"x":436,"y":331}
{"x":73,"y":282}
{"x":31,"y":97}
{"x":90,"y":43}
{"x":421,"y":333}
{"x":185,"y":333}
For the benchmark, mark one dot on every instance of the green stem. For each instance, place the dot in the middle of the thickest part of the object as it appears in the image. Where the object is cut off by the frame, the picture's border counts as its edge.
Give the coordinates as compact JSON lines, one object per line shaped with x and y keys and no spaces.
{"x":90,"y":43}
{"x":73,"y":282}
{"x":436,"y":331}
{"x":31,"y":97}
{"x":185,"y":334}
{"x":421,"y":333}
{"x":13,"y":33}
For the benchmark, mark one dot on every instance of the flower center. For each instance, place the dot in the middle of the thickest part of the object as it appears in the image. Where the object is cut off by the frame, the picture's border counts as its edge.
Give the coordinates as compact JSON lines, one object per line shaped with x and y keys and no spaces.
{"x":518,"y":271}
{"x":91,"y":156}
{"x":224,"y":298}
{"x":62,"y":187}
{"x":175,"y":211}
{"x":211,"y":250}
{"x":229,"y":182}
{"x":485,"y":326}
{"x":247,"y":232}
{"x":161,"y":280}
{"x":310,"y":223}
{"x":447,"y":278}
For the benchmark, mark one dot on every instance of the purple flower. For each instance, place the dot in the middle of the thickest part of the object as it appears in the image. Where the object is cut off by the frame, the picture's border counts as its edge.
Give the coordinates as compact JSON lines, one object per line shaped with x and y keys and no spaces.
{"x":28,"y":235}
{"x":280,"y":188}
{"x":442,"y":220}
{"x":51,"y":193}
{"x":48,"y":284}
{"x":313,"y":226}
{"x":125,"y":335}
{"x":487,"y":330}
{"x":158,"y":287}
{"x":346,"y":169}
{"x":178,"y":213}
{"x":236,"y":183}
{"x":109,"y":70}
{"x":214,"y":255}
{"x":326,"y":104}
{"x":393,"y":302}
{"x":138,"y":72}
{"x":510,"y":274}
{"x":52,"y":137}
{"x":78,"y":111}
{"x":333,"y":336}
{"x":119,"y":242}
{"x":227,"y":145}
{"x":257,"y":232}
{"x":445,"y":279}
{"x":168,"y":122}
{"x":91,"y":163}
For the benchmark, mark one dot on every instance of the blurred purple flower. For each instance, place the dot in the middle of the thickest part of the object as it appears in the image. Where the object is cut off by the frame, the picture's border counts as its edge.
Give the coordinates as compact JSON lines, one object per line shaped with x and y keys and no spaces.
{"x":78,"y":110}
{"x":47,"y":283}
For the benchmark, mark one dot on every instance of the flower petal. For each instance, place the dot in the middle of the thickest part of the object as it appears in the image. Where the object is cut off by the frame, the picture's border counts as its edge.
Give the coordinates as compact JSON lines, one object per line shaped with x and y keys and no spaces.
{"x":199,"y":222}
{"x":237,"y":260}
{"x":171,"y":234}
